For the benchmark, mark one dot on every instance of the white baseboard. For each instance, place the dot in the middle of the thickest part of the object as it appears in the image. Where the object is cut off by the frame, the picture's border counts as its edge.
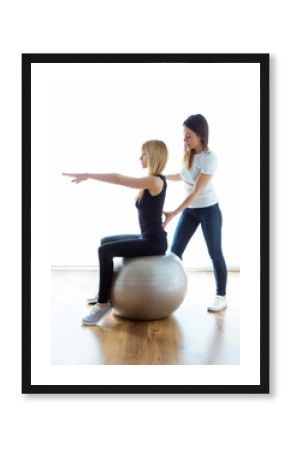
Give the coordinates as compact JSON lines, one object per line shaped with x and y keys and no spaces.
{"x":96,"y":269}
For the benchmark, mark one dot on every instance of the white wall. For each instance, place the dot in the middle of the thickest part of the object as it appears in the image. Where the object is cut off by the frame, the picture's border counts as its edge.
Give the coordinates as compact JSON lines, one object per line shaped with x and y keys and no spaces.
{"x":203,"y":421}
{"x":94,"y":118}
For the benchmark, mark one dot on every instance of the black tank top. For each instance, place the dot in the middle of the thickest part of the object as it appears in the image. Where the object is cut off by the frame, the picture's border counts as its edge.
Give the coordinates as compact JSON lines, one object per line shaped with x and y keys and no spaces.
{"x":150,"y":209}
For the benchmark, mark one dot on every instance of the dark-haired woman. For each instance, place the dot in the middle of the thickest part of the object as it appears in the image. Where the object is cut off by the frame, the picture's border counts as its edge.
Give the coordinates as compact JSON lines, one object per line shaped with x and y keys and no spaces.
{"x":200,"y":206}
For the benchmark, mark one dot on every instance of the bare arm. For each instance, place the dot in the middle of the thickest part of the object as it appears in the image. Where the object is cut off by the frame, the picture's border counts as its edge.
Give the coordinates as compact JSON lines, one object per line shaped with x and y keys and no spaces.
{"x":149,"y":182}
{"x":201,"y":184}
{"x":173,"y":177}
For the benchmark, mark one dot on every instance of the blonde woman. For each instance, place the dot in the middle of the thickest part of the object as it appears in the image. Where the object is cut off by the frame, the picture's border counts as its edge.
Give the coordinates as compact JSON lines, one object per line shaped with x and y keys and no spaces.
{"x":200,"y":207}
{"x":153,"y":238}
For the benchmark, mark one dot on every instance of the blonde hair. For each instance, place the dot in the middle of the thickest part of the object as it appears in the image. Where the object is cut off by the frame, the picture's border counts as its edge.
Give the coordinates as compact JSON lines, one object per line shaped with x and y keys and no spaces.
{"x":157,"y":158}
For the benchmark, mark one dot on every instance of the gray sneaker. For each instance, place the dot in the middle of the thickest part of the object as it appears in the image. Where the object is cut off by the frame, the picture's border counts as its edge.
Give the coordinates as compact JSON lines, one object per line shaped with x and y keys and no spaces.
{"x":96,"y":314}
{"x":93,"y":300}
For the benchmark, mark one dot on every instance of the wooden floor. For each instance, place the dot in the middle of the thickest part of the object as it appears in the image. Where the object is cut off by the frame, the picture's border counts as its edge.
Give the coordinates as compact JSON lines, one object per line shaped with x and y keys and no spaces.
{"x":190,"y":336}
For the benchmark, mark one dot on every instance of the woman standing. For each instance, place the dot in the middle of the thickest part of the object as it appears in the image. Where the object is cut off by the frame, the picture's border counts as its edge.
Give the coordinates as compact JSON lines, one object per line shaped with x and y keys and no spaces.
{"x":200,"y":206}
{"x":151,"y":241}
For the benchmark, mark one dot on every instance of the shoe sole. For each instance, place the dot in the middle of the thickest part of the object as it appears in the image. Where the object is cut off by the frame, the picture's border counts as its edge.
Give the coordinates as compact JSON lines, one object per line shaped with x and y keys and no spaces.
{"x":92,"y":301}
{"x":96,"y":322}
{"x":217,"y":310}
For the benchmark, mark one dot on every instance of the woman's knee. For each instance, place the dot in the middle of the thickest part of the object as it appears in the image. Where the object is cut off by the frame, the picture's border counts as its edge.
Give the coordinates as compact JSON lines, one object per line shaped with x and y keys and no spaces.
{"x":217,"y":257}
{"x":106,"y":239}
{"x":104,"y":251}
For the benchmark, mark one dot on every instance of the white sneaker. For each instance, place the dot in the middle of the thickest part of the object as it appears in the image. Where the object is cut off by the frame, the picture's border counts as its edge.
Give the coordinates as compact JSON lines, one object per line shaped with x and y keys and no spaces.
{"x":219,"y":303}
{"x":96,"y":314}
{"x":93,"y":300}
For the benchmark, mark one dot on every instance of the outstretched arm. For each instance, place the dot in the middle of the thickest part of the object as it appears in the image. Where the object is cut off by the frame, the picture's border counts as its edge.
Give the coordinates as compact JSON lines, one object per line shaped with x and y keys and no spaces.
{"x":149,"y":182}
{"x":201,"y":184}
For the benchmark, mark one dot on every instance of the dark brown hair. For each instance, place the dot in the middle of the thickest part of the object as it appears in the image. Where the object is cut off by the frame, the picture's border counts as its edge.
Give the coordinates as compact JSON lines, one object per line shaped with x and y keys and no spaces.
{"x":199,"y":125}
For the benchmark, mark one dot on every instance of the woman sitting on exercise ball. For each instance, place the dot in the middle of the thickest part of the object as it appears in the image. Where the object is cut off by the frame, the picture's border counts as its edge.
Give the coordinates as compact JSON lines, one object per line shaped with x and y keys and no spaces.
{"x":153,"y":238}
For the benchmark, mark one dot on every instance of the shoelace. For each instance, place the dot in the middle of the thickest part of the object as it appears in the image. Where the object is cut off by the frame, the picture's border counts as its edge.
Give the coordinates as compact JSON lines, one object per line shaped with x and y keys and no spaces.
{"x":94,"y":310}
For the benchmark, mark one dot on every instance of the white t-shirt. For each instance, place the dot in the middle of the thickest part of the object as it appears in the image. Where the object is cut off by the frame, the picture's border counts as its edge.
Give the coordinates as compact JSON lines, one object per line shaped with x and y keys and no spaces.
{"x":204,"y":162}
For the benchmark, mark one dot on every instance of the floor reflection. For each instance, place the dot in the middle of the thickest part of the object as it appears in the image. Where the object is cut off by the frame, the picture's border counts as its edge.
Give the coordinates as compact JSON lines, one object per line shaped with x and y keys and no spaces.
{"x":124,"y":341}
{"x":190,"y":336}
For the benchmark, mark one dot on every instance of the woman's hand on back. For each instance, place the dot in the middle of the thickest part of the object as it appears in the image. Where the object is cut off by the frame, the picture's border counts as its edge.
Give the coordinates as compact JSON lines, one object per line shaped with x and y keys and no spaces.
{"x":168,"y":216}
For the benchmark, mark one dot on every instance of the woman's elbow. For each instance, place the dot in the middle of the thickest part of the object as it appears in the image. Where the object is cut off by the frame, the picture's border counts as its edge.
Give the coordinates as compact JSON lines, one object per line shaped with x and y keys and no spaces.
{"x":117,"y":178}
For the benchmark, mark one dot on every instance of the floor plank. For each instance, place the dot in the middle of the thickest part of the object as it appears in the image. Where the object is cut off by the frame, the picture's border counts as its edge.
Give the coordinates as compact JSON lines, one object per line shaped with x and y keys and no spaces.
{"x":190,"y":336}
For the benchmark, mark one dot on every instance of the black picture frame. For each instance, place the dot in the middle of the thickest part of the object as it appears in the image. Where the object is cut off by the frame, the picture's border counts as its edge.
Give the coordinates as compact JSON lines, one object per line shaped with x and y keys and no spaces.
{"x":263,"y":61}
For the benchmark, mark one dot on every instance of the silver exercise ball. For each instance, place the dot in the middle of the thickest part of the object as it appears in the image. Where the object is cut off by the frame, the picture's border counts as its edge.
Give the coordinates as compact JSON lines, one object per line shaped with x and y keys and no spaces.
{"x":148,"y":287}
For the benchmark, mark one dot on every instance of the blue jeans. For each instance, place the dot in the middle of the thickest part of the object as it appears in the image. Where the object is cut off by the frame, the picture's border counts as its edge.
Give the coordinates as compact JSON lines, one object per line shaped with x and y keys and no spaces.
{"x":210,"y":219}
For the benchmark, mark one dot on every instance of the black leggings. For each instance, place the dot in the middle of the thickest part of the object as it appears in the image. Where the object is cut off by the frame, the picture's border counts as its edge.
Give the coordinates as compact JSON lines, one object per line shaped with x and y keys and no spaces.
{"x":126,"y":245}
